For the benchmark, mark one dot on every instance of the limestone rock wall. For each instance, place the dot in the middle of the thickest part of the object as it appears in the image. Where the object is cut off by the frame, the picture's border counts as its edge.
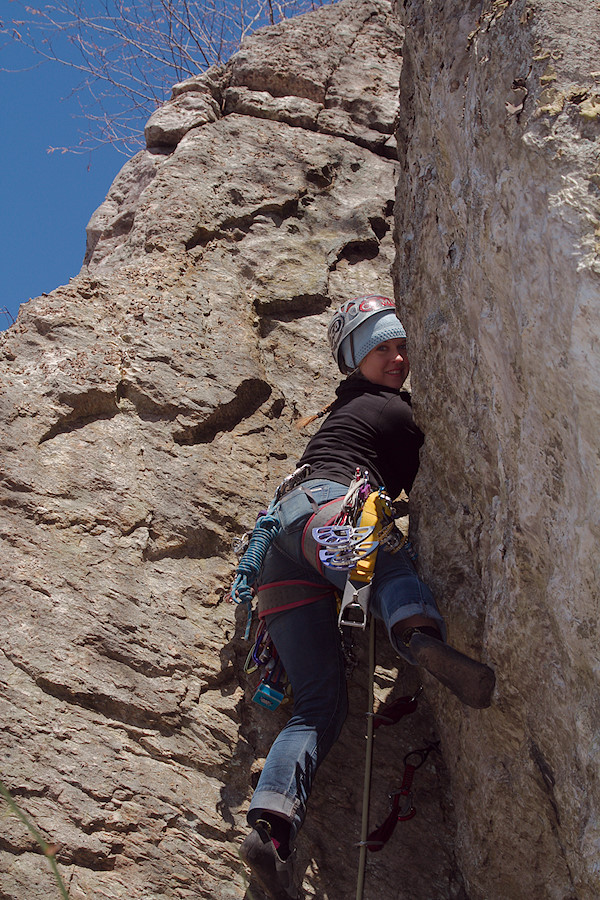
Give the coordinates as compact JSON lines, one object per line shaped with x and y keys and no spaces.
{"x":147,"y":413}
{"x":498,"y":226}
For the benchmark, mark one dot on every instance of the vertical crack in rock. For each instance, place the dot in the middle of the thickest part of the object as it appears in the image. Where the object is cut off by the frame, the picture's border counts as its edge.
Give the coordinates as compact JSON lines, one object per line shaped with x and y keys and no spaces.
{"x":547,"y":776}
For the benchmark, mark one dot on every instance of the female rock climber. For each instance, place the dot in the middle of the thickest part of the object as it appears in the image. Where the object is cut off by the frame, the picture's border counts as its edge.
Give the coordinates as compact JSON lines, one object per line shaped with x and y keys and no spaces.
{"x":370,"y":426}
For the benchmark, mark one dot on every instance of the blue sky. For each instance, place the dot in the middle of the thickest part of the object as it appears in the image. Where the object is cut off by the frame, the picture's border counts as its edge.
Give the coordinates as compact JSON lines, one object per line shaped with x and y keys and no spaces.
{"x":47,"y":198}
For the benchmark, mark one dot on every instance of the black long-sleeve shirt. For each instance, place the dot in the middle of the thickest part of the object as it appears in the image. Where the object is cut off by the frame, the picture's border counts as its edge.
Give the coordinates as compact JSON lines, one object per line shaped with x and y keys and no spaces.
{"x":370,"y":426}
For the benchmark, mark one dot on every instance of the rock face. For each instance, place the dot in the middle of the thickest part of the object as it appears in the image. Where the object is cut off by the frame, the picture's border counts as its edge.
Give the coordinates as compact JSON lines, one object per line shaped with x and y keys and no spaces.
{"x":148,"y":412}
{"x":497,"y":276}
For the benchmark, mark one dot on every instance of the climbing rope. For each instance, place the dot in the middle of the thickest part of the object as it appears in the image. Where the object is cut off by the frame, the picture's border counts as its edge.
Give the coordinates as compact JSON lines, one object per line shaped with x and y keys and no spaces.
{"x":364,"y":826}
{"x":256,"y":544}
{"x":249,"y":566}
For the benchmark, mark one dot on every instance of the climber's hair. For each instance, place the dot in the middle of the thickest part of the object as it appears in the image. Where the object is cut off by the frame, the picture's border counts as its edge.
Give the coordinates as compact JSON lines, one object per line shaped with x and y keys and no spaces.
{"x":306,"y":420}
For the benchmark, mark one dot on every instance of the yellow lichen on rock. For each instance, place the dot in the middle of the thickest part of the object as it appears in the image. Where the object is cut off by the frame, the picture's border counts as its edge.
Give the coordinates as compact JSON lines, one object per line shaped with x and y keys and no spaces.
{"x":590,"y":108}
{"x":551,"y":102}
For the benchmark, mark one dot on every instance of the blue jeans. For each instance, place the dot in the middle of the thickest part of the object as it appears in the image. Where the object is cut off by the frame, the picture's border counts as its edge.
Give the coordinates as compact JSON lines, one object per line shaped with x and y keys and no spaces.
{"x":307,"y":639}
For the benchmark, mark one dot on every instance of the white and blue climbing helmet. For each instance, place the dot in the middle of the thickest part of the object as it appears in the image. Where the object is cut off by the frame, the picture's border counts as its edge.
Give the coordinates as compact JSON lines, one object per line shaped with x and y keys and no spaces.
{"x":358,"y":326}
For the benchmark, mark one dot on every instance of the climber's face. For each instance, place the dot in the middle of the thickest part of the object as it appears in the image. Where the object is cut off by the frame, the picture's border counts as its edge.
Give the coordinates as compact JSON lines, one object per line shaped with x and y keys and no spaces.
{"x":387,"y":364}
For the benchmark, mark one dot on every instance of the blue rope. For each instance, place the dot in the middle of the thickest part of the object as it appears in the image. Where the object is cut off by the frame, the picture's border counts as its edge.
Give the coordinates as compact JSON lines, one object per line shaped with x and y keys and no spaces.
{"x":250,"y":564}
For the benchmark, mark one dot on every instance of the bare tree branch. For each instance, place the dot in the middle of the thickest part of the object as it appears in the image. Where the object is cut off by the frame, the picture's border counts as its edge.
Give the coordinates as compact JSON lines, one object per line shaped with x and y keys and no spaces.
{"x":130,"y":52}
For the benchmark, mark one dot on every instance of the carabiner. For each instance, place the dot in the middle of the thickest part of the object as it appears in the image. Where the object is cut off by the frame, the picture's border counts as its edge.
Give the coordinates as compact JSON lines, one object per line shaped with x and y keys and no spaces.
{"x":422,"y":753}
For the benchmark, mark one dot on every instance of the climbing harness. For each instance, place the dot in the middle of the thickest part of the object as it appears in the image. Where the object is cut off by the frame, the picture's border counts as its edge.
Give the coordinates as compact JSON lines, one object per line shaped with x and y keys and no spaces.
{"x":254,"y":545}
{"x":367,"y":522}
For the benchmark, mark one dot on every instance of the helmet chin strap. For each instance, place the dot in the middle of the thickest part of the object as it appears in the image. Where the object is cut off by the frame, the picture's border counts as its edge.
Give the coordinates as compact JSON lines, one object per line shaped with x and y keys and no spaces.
{"x":352,"y":357}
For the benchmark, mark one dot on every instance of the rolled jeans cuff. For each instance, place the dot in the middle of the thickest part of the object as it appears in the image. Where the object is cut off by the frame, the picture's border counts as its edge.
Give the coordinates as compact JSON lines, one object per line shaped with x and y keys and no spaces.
{"x":273,"y":802}
{"x":406,"y":612}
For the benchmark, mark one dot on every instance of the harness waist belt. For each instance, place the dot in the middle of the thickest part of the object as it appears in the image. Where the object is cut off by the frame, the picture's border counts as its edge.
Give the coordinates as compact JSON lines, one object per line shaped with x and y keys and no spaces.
{"x":280,"y":595}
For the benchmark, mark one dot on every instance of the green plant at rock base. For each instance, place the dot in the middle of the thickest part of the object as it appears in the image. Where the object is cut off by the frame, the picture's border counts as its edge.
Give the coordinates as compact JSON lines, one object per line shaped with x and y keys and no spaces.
{"x":46,"y":849}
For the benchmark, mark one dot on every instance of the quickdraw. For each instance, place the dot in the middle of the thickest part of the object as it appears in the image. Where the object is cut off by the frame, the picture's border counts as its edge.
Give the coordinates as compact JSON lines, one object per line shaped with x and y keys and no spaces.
{"x":401,"y":801}
{"x":273,"y":688}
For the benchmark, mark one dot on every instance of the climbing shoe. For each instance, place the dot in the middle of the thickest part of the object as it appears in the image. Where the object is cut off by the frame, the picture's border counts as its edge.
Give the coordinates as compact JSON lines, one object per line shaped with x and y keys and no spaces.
{"x":472,"y":682}
{"x":274,"y":874}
